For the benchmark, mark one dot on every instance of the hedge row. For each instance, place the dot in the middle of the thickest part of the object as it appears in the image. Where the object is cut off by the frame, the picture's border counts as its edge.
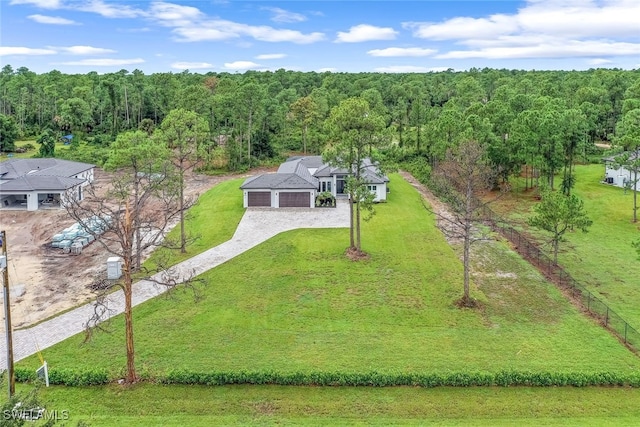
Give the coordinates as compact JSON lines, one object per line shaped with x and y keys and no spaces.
{"x":379,"y":379}
{"x":70,"y":377}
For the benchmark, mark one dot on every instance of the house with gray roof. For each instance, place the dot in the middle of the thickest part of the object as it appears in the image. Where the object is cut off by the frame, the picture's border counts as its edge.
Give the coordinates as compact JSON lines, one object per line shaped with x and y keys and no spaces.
{"x":33,"y":184}
{"x":301,"y":178}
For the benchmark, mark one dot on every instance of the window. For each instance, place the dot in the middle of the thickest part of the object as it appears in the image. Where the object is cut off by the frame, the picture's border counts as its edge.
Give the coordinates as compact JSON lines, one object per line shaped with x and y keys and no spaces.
{"x":372,"y":187}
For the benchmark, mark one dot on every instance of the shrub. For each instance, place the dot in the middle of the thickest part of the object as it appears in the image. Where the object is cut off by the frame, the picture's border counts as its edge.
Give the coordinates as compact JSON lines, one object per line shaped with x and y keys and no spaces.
{"x":420,"y":168}
{"x":70,"y":377}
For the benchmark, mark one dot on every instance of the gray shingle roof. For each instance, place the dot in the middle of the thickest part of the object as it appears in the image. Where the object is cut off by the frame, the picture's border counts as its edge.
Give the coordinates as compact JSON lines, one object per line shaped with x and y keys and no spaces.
{"x":370,"y":172}
{"x":39,"y":183}
{"x":294,"y":174}
{"x":282,"y":181}
{"x":309,"y":161}
{"x":632,"y":156}
{"x":40,"y":174}
{"x":326,"y":171}
{"x":14,"y":168}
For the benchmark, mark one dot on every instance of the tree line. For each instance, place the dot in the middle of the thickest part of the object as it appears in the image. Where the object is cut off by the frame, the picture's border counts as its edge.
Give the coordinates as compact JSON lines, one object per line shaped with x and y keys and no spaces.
{"x":544,"y":119}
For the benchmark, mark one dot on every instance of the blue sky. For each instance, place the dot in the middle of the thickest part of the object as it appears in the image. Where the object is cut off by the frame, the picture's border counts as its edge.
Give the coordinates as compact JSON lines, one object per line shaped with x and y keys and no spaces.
{"x":78,"y":36}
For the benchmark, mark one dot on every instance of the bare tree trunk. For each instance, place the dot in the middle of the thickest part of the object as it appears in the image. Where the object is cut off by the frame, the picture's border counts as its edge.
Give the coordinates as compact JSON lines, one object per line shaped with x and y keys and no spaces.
{"x":249,"y":140}
{"x":128,"y":320}
{"x":467,"y":243}
{"x":136,"y":224}
{"x":183,"y":238}
{"x":128,"y":306}
{"x":635,"y":195}
{"x":351,"y":239}
{"x":358,"y":242}
{"x":465,"y":261}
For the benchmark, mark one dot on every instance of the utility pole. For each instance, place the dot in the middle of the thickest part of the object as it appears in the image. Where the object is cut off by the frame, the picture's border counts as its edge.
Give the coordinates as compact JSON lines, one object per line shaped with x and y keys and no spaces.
{"x":7,"y":314}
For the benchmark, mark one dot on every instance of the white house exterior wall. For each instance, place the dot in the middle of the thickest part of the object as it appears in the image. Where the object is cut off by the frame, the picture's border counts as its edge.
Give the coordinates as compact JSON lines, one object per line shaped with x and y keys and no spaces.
{"x":88,"y":175}
{"x":380,"y":192}
{"x":620,"y":176}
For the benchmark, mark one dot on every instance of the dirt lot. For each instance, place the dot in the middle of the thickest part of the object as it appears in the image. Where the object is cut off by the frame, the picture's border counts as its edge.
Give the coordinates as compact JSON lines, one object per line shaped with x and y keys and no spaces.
{"x":45,"y":281}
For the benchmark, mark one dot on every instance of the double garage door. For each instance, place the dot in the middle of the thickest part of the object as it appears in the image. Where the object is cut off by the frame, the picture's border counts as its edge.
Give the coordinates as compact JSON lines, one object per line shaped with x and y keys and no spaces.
{"x":301,"y":199}
{"x":297,"y":199}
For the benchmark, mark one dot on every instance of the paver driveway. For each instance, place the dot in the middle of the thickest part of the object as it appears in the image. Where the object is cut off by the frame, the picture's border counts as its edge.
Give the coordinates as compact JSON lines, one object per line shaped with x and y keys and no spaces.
{"x":256,"y":226}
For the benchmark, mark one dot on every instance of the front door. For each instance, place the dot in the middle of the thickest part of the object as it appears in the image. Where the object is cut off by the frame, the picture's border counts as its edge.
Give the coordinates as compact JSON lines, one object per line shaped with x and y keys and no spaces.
{"x":340,"y":185}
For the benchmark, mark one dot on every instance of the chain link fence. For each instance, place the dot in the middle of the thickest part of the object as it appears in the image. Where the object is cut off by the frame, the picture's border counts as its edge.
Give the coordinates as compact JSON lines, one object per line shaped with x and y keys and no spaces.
{"x":450,"y":193}
{"x":578,"y":292}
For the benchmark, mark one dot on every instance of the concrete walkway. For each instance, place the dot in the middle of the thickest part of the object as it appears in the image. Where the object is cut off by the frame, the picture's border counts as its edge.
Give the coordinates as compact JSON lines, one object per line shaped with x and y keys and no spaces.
{"x":256,"y":226}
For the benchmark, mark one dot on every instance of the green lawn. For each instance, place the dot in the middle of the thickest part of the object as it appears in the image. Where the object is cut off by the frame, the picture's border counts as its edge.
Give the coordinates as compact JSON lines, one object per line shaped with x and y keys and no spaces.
{"x":32,"y":152}
{"x":295,"y":303}
{"x":152,"y":405}
{"x":602,"y":259}
{"x":212,"y":221}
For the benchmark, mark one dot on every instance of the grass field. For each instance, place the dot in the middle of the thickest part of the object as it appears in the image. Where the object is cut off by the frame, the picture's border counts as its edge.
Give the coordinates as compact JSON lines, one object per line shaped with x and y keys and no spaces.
{"x":602,"y":259}
{"x":295,"y":303}
{"x":30,"y":153}
{"x":212,"y":221}
{"x":152,"y":405}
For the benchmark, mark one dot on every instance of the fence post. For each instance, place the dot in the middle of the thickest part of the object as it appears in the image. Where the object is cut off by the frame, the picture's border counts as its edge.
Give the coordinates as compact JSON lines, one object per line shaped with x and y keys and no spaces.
{"x":589,"y":301}
{"x":606,"y":318}
{"x":625,"y":332}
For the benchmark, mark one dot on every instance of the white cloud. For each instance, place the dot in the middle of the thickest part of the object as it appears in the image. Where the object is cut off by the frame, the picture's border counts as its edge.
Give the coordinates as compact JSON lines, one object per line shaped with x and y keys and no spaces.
{"x":26,"y":51}
{"x":599,"y":61}
{"x":192,"y":34}
{"x":402,"y":51}
{"x":134,"y":30}
{"x":54,"y":20}
{"x":191,"y":65}
{"x":560,"y":49}
{"x":271,"y":56}
{"x":191,"y":25}
{"x":241,"y":65}
{"x":281,"y":15}
{"x":582,"y":19}
{"x":364,"y":32}
{"x":327,"y":70}
{"x":542,"y":29}
{"x":269,"y":34}
{"x":44,"y":4}
{"x":83,"y":50}
{"x":173,"y":15}
{"x":223,"y":30}
{"x":109,"y":10}
{"x":407,"y":69}
{"x":462,"y":28}
{"x":105,"y":62}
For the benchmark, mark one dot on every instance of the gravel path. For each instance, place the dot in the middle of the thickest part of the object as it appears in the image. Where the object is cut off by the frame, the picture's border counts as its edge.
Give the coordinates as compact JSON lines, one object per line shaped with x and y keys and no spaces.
{"x":257,"y":225}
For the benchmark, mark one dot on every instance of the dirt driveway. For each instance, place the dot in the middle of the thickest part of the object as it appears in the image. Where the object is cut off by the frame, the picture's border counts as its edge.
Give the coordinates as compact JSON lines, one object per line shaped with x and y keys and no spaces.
{"x":44,"y":281}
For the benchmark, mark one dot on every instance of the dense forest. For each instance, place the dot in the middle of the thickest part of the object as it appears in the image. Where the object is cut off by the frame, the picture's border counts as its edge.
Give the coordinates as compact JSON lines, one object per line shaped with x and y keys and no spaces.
{"x":544,"y":119}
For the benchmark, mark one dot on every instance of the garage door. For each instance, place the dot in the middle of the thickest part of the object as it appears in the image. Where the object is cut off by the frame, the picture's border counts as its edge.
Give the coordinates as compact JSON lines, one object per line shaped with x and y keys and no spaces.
{"x":295,"y":200}
{"x":259,"y":198}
